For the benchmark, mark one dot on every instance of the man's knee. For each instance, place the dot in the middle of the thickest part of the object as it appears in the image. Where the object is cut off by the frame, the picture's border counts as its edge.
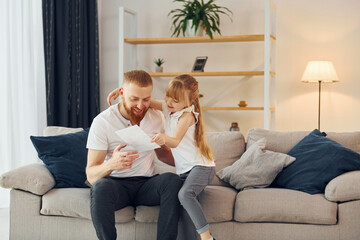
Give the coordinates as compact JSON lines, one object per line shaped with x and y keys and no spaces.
{"x":101,"y":188}
{"x":172,"y":178}
{"x":171,"y":182}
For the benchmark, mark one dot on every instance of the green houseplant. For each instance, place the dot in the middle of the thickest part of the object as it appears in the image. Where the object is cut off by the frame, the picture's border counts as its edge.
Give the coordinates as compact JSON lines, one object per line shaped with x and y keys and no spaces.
{"x":159,"y":62}
{"x":203,"y":14}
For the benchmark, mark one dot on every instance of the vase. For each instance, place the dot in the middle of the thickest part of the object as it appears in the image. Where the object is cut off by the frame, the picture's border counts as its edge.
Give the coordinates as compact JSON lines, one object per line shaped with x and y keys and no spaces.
{"x":158,"y":69}
{"x":234,"y":127}
{"x":190,"y":30}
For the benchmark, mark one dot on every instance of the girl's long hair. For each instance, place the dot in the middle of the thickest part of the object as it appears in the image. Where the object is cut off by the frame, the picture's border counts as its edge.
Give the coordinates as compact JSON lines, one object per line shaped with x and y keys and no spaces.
{"x":185,"y":87}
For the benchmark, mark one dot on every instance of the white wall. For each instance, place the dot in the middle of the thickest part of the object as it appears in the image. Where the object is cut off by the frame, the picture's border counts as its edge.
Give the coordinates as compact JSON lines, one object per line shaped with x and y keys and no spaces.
{"x":306,"y":30}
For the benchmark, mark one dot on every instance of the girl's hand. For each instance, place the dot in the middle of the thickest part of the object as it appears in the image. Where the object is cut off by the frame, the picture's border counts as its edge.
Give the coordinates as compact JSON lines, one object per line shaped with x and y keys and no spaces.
{"x":159,"y":139}
{"x":113,"y":95}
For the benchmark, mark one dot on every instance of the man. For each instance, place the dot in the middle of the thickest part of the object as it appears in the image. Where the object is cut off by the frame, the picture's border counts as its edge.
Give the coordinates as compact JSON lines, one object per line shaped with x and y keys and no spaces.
{"x":120,"y":177}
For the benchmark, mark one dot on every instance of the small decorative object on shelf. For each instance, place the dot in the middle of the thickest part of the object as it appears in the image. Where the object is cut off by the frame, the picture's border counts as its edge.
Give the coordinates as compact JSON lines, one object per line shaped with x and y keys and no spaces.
{"x":158,"y":63}
{"x":242,"y":104}
{"x":234,"y":127}
{"x":199,"y":64}
{"x":203,"y":15}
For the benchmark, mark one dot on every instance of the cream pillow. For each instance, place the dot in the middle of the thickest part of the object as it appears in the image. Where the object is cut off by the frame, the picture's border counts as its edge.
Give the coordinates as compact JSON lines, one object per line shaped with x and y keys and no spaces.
{"x":34,"y":178}
{"x":344,"y":187}
{"x":256,"y":168}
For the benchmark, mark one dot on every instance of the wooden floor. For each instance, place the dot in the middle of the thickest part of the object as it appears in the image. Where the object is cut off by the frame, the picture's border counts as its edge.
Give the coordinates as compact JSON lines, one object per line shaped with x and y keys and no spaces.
{"x":4,"y":223}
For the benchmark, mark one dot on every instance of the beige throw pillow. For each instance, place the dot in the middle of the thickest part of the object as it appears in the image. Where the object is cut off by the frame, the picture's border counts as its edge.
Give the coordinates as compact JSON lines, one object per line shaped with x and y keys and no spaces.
{"x":344,"y":187}
{"x":34,"y":178}
{"x":256,"y":168}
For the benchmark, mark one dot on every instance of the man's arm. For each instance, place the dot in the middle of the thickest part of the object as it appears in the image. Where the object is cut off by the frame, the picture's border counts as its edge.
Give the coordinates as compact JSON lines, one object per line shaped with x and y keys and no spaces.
{"x":164,"y":154}
{"x":97,"y":168}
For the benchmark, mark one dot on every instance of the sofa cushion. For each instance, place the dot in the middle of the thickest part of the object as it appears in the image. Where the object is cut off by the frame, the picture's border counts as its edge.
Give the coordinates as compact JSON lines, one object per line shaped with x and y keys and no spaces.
{"x":284,"y":141}
{"x":34,"y":178}
{"x":344,"y":187}
{"x":256,"y":168}
{"x":217,"y":203}
{"x":227,"y":147}
{"x":318,"y":160}
{"x":75,"y":202}
{"x":283,"y":206}
{"x":275,"y":141}
{"x":65,"y":156}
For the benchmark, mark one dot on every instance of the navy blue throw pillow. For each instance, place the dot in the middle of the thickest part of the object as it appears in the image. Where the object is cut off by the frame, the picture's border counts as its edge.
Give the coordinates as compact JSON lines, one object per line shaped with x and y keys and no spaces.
{"x":318,"y":160}
{"x":65,"y":156}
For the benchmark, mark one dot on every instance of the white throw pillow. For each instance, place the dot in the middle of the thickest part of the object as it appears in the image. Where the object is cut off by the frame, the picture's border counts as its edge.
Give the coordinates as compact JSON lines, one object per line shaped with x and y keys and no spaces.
{"x":256,"y":168}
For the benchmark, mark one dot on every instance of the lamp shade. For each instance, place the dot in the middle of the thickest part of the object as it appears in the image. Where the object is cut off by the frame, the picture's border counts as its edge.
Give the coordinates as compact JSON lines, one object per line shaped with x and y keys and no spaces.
{"x":322,"y":71}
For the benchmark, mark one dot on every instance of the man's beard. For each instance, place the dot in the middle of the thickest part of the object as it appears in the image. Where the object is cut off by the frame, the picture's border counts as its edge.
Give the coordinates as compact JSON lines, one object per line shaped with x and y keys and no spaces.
{"x":134,"y":118}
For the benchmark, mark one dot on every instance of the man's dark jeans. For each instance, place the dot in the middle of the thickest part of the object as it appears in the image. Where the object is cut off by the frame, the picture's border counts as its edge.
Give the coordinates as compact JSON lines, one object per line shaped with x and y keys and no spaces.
{"x":110,"y":194}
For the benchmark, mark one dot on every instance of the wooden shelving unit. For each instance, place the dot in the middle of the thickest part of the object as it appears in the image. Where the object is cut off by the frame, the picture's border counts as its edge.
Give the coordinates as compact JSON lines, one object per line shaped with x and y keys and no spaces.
{"x":205,"y":39}
{"x":235,"y":108}
{"x":267,"y":73}
{"x":210,"y":74}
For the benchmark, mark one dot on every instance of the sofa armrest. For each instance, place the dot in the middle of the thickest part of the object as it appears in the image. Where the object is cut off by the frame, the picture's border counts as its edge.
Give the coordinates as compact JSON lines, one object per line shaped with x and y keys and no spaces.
{"x":34,"y":178}
{"x":345,"y":187}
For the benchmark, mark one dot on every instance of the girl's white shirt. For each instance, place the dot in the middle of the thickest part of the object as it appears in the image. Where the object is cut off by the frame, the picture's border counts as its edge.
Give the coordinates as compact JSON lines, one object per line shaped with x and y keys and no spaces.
{"x":186,"y":154}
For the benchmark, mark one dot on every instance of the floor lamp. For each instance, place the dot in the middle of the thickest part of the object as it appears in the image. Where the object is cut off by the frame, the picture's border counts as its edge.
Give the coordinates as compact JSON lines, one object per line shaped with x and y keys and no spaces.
{"x":319,"y":72}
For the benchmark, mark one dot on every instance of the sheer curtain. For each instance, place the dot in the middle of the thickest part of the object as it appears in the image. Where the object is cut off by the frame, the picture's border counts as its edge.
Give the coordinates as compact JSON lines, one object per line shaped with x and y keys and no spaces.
{"x":22,"y":86}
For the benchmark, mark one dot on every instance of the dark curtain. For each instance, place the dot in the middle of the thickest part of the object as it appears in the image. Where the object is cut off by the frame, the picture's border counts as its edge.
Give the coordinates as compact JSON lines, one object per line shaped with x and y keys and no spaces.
{"x":71,"y":45}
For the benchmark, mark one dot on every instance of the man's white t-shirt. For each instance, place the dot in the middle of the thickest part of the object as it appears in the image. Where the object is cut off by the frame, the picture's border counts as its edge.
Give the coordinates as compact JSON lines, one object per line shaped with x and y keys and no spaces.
{"x":102,"y":136}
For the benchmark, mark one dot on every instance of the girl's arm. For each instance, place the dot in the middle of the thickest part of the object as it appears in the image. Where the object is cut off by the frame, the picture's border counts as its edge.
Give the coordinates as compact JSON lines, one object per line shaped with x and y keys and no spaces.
{"x":185,"y":121}
{"x":113,"y":95}
{"x":156,"y":104}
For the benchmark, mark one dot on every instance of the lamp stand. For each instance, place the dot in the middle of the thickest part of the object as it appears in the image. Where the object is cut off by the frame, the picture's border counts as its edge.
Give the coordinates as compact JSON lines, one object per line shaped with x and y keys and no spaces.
{"x":319,"y":105}
{"x":319,"y":71}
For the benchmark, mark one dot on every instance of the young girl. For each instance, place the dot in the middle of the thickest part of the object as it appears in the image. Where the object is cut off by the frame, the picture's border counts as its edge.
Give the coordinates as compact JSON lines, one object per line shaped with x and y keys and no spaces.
{"x":185,"y":136}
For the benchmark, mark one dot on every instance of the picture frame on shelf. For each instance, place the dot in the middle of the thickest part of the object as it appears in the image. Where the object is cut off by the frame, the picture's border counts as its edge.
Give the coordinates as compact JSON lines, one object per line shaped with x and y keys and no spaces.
{"x":199,"y":64}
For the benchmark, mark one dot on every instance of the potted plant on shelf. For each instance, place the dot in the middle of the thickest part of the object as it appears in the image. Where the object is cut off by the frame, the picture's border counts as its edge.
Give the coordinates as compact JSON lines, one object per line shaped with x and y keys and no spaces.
{"x":159,"y":62}
{"x":199,"y":16}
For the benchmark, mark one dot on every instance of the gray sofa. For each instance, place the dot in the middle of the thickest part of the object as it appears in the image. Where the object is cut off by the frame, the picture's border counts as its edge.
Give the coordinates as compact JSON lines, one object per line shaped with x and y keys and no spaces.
{"x":39,"y":211}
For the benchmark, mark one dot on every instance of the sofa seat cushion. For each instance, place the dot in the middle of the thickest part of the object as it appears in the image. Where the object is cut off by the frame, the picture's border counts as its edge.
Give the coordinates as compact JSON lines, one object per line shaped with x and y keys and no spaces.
{"x":217,"y":203}
{"x":284,"y":205}
{"x":75,"y":202}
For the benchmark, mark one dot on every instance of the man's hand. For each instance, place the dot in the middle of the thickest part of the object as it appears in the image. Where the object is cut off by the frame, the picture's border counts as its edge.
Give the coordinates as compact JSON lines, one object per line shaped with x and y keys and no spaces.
{"x":113,"y":95}
{"x":159,"y":139}
{"x":122,"y":160}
